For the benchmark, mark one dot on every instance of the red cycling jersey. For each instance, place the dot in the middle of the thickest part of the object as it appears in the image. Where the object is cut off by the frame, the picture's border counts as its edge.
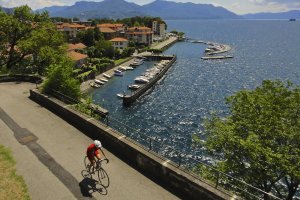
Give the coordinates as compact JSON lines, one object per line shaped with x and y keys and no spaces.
{"x":92,"y":151}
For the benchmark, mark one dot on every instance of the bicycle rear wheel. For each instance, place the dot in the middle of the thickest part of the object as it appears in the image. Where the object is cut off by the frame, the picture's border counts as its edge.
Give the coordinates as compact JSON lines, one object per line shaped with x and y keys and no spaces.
{"x":103,"y":177}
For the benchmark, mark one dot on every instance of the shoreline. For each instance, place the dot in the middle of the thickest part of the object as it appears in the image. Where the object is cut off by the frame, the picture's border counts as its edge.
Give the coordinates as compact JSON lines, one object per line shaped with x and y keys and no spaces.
{"x":85,"y":87}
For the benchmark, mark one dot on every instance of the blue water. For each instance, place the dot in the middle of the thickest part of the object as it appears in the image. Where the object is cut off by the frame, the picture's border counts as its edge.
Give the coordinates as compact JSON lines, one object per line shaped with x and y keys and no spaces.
{"x":193,"y":88}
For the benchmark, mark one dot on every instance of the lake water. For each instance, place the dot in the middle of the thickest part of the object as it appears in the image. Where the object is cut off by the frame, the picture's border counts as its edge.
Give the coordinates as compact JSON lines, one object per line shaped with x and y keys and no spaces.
{"x":192,"y":89}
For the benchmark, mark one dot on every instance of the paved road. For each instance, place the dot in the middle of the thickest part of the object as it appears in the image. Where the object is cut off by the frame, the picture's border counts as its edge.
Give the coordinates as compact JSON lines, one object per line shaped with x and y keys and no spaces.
{"x":49,"y":154}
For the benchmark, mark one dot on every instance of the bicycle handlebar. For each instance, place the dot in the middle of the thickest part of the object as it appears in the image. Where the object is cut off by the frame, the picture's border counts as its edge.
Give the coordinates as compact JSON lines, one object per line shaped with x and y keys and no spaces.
{"x":105,"y":159}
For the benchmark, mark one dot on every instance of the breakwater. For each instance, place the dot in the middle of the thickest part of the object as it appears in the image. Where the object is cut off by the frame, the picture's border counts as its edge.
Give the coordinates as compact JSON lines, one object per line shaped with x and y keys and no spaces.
{"x":129,"y":99}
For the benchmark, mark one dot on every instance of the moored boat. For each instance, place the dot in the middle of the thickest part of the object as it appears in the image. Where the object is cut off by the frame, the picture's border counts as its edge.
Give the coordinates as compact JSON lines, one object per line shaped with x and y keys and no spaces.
{"x":141,"y":80}
{"x":121,"y":95}
{"x":129,"y":68}
{"x":103,"y":79}
{"x":118,"y":73}
{"x":94,"y":85}
{"x":134,"y":87}
{"x":99,"y":82}
{"x":106,"y":75}
{"x":137,"y":62}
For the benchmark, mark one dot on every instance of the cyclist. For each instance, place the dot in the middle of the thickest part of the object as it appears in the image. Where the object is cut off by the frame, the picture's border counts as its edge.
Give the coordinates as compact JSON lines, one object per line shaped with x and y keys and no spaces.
{"x":92,"y":153}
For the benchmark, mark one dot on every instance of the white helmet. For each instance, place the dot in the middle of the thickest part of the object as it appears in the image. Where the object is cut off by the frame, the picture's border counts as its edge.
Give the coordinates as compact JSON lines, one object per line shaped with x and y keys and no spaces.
{"x":98,"y":144}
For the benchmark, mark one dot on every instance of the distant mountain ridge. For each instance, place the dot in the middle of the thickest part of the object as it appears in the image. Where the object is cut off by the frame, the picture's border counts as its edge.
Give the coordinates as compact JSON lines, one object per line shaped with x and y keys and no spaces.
{"x":173,"y":10}
{"x":122,"y":9}
{"x":7,"y":10}
{"x":295,"y":14}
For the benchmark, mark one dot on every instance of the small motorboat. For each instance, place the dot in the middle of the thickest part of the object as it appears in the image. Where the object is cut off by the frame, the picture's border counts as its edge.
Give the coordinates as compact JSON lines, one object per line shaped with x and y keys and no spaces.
{"x":94,"y":85}
{"x":129,"y":68}
{"x":106,"y":75}
{"x":137,"y":62}
{"x":134,"y":87}
{"x":141,"y":80}
{"x":121,"y":95}
{"x":122,"y":68}
{"x":117,"y":70}
{"x":99,"y":82}
{"x":103,"y":79}
{"x":118,"y":73}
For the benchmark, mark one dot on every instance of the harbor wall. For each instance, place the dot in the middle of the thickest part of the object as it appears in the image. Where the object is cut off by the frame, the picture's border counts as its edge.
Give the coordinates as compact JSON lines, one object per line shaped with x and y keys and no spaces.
{"x":157,"y":168}
{"x":129,"y":99}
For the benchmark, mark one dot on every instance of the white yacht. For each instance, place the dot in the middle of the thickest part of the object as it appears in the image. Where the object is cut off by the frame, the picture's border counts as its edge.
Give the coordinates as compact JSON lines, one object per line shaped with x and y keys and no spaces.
{"x":134,"y":87}
{"x":141,"y":79}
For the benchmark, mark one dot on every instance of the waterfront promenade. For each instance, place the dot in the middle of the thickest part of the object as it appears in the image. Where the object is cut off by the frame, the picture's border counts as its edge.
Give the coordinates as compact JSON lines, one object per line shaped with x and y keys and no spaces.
{"x":50,"y":158}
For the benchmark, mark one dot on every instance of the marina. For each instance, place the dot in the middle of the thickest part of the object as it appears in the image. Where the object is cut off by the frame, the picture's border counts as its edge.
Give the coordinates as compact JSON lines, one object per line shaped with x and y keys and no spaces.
{"x":162,"y":67}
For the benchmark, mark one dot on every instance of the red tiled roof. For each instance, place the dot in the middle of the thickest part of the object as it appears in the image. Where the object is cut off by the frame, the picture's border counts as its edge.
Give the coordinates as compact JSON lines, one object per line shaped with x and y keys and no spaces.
{"x":72,"y":25}
{"x":139,"y":33}
{"x":110,"y":25}
{"x":139,"y":28}
{"x":76,"y":56}
{"x":76,"y":46}
{"x":118,"y":39}
{"x":106,"y":30}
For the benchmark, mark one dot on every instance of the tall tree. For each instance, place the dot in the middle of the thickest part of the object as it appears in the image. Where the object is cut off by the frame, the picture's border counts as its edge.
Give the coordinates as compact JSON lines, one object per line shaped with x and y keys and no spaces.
{"x":259,"y":142}
{"x":90,"y":37}
{"x":28,"y":40}
{"x":104,"y":49}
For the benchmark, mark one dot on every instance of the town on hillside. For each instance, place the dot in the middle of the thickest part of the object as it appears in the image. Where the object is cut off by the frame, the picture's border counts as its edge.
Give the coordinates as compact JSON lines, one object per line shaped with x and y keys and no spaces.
{"x":95,"y":48}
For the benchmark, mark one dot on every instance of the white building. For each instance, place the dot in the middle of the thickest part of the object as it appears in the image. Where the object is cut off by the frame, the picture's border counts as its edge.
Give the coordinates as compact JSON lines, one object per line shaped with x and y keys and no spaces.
{"x":119,"y":43}
{"x":141,"y":35}
{"x":159,"y":29}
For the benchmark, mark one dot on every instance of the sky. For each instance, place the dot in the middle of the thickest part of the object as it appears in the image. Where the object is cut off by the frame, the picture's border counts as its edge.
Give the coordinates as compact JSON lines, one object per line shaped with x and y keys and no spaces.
{"x":238,"y":7}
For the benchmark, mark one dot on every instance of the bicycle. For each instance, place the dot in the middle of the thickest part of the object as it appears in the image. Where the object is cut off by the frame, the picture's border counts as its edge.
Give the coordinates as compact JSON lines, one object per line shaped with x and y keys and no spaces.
{"x":97,"y":168}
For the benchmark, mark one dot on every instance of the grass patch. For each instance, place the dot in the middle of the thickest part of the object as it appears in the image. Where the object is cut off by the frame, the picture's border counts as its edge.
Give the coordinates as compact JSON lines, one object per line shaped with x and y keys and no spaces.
{"x":117,"y":62}
{"x":12,"y":186}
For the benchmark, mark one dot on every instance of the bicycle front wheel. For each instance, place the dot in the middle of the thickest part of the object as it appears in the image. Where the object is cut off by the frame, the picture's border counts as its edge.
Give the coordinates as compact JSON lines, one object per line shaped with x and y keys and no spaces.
{"x":103,"y":177}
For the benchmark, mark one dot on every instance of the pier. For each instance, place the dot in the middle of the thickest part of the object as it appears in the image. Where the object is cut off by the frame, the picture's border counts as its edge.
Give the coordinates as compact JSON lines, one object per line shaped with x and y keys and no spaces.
{"x":129,"y":99}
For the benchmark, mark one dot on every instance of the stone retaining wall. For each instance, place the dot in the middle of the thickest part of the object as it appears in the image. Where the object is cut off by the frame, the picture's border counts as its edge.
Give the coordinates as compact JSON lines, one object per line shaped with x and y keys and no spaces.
{"x":20,"y":77}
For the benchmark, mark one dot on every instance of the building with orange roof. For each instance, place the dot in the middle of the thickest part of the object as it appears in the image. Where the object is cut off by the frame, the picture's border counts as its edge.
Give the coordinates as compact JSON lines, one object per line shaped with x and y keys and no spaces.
{"x":79,"y":58}
{"x":71,"y":29}
{"x":119,"y":43}
{"x":72,"y":47}
{"x":112,"y":30}
{"x":141,"y":35}
{"x":115,"y":27}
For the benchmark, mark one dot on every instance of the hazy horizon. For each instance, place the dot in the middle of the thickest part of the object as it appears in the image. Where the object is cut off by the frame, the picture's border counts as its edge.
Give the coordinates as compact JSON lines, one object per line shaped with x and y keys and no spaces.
{"x":238,"y":7}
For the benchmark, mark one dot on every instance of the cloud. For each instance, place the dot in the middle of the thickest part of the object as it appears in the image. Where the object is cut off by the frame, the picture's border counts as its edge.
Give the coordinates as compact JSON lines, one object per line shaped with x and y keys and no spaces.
{"x":34,"y":4}
{"x":275,"y":5}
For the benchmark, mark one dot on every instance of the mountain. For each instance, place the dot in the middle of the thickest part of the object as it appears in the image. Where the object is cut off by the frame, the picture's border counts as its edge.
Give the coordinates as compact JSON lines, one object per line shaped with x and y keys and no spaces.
{"x":89,"y":9}
{"x":53,"y":9}
{"x":7,"y":10}
{"x":173,"y":10}
{"x":122,"y":9}
{"x":283,"y":15}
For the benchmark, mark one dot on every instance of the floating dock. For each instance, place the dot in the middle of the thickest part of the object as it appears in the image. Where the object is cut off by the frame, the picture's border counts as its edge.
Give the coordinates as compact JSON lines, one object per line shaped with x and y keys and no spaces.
{"x":129,"y":99}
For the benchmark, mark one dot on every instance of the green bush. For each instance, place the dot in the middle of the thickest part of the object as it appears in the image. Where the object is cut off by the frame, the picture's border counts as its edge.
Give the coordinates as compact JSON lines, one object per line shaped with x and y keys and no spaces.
{"x":59,"y":78}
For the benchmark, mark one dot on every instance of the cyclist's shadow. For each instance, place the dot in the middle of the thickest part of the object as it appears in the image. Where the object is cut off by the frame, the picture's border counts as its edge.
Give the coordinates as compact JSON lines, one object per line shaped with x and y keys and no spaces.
{"x":88,"y":185}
